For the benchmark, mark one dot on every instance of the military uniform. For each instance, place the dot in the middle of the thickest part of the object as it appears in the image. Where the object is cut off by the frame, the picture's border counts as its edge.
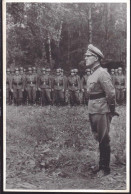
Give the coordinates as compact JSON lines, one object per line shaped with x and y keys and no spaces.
{"x":17,"y":86}
{"x":113,"y":76}
{"x":84,"y":86}
{"x":73,"y":85}
{"x":59,"y":87}
{"x":101,"y":106}
{"x":8,"y":86}
{"x":120,"y":86}
{"x":31,"y":86}
{"x":45,"y":88}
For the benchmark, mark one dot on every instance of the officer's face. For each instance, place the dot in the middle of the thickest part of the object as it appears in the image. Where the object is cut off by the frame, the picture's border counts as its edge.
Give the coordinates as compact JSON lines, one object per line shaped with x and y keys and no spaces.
{"x":112,"y":72}
{"x":90,"y":60}
{"x":72,"y":73}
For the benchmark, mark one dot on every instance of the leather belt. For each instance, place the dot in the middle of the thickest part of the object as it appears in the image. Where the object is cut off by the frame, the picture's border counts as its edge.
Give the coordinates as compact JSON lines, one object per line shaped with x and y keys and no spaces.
{"x":17,"y":84}
{"x":31,"y":82}
{"x":97,"y":96}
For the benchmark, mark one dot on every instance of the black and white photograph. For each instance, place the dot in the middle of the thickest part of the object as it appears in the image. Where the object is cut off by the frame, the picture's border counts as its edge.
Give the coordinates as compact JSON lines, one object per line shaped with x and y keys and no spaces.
{"x":66,"y":71}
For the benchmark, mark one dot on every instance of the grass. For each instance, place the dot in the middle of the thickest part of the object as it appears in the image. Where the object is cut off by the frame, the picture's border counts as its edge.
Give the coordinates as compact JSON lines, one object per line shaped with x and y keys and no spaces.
{"x":57,"y":139}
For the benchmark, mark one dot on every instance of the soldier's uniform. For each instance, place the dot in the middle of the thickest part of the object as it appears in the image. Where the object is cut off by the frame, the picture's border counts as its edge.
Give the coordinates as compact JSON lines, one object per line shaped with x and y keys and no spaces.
{"x":8,"y":86}
{"x":45,"y":87}
{"x":22,"y":73}
{"x":31,"y":86}
{"x":65,"y":90}
{"x":101,"y":105}
{"x":120,"y":86}
{"x":59,"y":87}
{"x":84,"y":86}
{"x":17,"y":86}
{"x":113,"y":76}
{"x":73,"y":85}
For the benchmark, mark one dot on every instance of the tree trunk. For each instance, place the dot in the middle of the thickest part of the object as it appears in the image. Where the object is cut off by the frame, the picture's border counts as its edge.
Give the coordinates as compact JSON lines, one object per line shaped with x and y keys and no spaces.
{"x":50,"y":55}
{"x":90,"y":25}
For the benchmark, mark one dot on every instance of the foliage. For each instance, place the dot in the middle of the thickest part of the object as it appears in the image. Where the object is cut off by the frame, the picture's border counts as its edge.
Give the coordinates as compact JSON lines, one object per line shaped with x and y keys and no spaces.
{"x":38,"y":33}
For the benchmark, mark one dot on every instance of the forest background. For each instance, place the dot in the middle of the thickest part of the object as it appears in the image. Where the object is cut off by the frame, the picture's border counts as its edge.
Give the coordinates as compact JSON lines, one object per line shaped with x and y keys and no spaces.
{"x":57,"y":34}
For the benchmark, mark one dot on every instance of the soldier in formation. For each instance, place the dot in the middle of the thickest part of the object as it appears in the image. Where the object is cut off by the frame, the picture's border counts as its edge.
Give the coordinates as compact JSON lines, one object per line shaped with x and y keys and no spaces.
{"x":46,"y":89}
{"x":44,"y":86}
{"x":17,"y":87}
{"x":8,"y":86}
{"x":120,"y":86}
{"x":84,"y":86}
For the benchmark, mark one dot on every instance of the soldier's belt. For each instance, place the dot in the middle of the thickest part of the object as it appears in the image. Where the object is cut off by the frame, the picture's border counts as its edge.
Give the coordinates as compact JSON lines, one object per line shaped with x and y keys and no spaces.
{"x":73,"y":84}
{"x":97,"y":96}
{"x":31,"y":82}
{"x":16,"y":84}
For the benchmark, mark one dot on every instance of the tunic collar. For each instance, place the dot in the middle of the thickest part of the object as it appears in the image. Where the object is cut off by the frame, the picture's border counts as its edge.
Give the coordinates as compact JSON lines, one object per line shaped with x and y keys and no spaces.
{"x":95,"y":68}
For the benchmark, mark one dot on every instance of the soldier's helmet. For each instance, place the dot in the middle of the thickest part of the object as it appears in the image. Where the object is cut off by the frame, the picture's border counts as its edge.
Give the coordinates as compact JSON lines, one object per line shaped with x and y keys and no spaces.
{"x":43,"y":69}
{"x":58,"y":70}
{"x":72,"y":71}
{"x":112,"y":70}
{"x":8,"y":70}
{"x":16,"y":69}
{"x":87,"y":70}
{"x":119,"y":68}
{"x":29,"y":69}
{"x":48,"y":70}
{"x":21,"y":69}
{"x":34,"y":69}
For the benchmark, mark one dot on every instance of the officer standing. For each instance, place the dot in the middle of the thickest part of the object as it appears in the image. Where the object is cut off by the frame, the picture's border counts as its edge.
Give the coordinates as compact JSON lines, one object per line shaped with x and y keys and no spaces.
{"x":8,"y":86}
{"x":31,"y":86}
{"x":120,"y":86}
{"x":84,"y":86}
{"x":73,"y":85}
{"x":17,"y":87}
{"x":101,"y":106}
{"x":59,"y":87}
{"x":44,"y":83}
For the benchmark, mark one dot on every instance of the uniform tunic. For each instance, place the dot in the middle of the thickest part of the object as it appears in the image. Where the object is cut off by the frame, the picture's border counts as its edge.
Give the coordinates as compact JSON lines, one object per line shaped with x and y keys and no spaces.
{"x":120,"y":86}
{"x":84,"y":86}
{"x":59,"y":86}
{"x":44,"y":83}
{"x":18,"y":87}
{"x":31,"y":86}
{"x":73,"y":84}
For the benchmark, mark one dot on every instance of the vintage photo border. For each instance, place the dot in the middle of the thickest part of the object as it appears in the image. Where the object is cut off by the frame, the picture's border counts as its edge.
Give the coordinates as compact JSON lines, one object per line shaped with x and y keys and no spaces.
{"x":127,"y":104}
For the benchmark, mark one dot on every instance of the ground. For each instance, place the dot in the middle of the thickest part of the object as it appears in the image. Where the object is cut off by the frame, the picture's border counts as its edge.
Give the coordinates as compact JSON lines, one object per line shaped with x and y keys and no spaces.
{"x":53,"y":148}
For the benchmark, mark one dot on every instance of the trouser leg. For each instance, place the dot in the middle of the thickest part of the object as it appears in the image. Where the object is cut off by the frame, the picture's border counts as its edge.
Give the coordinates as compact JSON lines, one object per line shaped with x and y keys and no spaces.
{"x":7,"y":96}
{"x":20,"y":96}
{"x":77,"y":97}
{"x":48,"y":96}
{"x":61,"y":97}
{"x":29,"y":93}
{"x":34,"y":95}
{"x":100,"y":125}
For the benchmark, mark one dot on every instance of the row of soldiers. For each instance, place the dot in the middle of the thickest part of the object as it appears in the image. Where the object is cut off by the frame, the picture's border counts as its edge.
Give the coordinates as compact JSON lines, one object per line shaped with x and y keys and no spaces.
{"x":28,"y":87}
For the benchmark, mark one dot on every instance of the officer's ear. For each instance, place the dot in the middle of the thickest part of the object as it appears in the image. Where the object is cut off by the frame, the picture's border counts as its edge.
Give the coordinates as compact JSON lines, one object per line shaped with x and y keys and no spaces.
{"x":96,"y":58}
